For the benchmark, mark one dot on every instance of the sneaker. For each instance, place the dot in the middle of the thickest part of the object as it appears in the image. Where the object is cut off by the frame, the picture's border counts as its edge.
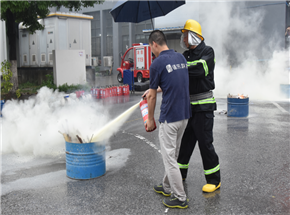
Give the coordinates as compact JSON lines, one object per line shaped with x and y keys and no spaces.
{"x":174,"y":202}
{"x":159,"y":189}
{"x":208,"y":188}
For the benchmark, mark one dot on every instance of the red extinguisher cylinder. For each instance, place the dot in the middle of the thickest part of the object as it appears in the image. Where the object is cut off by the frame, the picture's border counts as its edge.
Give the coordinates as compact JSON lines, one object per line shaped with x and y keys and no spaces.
{"x":120,"y":90}
{"x":144,"y":112}
{"x":100,"y":93}
{"x":97,"y":93}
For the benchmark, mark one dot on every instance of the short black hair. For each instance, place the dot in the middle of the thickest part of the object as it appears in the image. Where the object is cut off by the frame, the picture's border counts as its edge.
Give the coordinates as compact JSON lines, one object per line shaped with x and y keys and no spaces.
{"x":158,"y":37}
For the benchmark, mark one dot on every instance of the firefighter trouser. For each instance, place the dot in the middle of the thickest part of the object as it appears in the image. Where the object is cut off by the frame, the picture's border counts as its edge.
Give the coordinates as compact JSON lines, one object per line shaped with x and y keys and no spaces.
{"x":199,"y":128}
{"x":170,"y":135}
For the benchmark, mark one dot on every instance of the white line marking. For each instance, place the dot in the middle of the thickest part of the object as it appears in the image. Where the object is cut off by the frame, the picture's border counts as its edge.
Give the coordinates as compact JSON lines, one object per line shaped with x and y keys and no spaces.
{"x":144,"y":139}
{"x":280,"y":108}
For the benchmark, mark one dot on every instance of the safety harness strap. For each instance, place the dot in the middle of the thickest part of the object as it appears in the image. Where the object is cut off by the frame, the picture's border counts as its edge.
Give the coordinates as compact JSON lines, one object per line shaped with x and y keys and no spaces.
{"x":201,"y":96}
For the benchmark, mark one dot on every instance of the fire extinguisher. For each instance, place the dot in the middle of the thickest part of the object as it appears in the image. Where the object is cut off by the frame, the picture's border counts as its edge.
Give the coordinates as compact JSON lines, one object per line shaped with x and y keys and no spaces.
{"x":107,"y":92}
{"x":127,"y":89}
{"x":94,"y":93}
{"x":110,"y":91}
{"x":98,"y":93}
{"x":113,"y":90}
{"x":123,"y":89}
{"x":101,"y":93}
{"x":120,"y":90}
{"x":144,"y":112}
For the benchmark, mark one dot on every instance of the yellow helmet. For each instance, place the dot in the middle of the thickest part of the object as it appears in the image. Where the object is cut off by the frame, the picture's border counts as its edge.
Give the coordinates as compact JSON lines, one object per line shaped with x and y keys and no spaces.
{"x":194,"y":26}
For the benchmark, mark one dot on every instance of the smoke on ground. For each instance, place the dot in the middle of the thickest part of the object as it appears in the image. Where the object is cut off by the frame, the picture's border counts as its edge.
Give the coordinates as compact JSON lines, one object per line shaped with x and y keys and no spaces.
{"x":32,"y":126}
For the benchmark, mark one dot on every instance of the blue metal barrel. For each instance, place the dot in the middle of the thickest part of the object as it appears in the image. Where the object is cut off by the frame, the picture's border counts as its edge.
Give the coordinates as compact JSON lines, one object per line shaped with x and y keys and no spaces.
{"x":85,"y":160}
{"x":2,"y":104}
{"x":238,"y":107}
{"x":128,"y":78}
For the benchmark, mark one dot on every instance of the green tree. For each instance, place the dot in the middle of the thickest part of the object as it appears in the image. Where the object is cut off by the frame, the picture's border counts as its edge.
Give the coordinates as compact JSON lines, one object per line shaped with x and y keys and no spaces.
{"x":28,"y":12}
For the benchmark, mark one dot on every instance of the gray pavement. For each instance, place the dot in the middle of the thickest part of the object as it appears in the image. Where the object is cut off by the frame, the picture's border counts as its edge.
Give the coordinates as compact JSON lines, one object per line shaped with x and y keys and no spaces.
{"x":254,"y":160}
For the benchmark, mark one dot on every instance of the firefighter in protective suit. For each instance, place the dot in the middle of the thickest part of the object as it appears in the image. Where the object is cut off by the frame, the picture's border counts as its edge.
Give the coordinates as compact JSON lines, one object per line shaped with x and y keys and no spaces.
{"x":200,"y":62}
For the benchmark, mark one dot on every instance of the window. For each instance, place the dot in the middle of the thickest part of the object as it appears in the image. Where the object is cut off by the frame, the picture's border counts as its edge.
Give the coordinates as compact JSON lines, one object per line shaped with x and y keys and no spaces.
{"x":33,"y":57}
{"x":125,"y":43}
{"x":50,"y":57}
{"x":43,"y":58}
{"x":130,"y":54}
{"x":108,"y":32}
{"x":96,"y":33}
{"x":25,"y":58}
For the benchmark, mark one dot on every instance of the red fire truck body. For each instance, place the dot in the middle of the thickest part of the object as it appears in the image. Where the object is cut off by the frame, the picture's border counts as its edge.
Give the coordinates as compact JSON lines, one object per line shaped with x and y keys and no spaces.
{"x":138,"y":59}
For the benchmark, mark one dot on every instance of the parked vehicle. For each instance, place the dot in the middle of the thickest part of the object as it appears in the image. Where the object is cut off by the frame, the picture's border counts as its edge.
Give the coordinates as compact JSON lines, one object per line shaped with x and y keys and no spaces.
{"x":138,"y":59}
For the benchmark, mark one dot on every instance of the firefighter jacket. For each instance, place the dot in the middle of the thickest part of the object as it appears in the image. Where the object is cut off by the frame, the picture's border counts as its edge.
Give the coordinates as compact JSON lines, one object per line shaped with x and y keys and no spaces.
{"x":200,"y":63}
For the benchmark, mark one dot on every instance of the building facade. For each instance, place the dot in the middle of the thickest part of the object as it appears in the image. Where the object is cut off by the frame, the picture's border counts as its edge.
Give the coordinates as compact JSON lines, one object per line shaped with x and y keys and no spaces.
{"x":113,"y":39}
{"x":110,"y":40}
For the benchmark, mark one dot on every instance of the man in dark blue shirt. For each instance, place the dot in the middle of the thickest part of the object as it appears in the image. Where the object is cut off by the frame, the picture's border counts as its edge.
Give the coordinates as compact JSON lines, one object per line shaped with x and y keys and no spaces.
{"x":169,"y":75}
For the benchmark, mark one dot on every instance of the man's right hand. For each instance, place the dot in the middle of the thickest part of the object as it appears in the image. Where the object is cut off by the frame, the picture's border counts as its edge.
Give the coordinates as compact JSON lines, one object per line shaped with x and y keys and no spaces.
{"x":149,"y":126}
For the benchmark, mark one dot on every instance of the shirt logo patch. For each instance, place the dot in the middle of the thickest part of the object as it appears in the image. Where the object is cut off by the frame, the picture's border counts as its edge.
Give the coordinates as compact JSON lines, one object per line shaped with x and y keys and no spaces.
{"x":169,"y":68}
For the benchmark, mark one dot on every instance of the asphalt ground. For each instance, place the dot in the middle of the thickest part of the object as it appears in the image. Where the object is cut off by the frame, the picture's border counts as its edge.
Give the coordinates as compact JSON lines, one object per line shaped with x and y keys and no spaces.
{"x":253,"y":153}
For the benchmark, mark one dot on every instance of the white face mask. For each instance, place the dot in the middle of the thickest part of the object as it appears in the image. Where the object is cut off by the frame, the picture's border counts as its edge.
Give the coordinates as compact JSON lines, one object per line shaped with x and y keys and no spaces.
{"x":193,"y":40}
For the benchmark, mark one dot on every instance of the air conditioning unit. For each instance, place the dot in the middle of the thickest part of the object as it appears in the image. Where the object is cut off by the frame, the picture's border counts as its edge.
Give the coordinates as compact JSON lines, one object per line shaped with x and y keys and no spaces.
{"x":95,"y":61}
{"x":108,"y":61}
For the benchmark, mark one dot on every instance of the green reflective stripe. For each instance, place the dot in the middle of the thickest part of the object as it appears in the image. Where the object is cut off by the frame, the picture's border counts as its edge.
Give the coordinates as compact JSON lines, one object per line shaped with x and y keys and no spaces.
{"x":204,"y":101}
{"x":204,"y":64}
{"x":210,"y":171}
{"x":214,"y":60}
{"x":183,"y":166}
{"x":192,"y":63}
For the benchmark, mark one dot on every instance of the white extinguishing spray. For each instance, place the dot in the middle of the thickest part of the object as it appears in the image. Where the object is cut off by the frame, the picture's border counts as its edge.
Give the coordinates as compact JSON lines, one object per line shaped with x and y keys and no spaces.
{"x":113,"y":126}
{"x":144,"y":112}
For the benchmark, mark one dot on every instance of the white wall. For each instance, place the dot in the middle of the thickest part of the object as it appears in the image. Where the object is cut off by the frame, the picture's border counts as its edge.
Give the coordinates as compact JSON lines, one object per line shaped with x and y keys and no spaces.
{"x":69,"y":66}
{"x":3,"y":49}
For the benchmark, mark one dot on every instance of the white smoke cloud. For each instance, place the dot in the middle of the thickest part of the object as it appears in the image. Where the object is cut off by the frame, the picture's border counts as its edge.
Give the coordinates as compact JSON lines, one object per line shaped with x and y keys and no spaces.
{"x":31,"y":126}
{"x":248,"y":61}
{"x":249,"y":78}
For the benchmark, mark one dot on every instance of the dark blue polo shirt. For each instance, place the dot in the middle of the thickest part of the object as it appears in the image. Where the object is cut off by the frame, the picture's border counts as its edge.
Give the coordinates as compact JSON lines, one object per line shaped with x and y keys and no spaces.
{"x":169,"y":71}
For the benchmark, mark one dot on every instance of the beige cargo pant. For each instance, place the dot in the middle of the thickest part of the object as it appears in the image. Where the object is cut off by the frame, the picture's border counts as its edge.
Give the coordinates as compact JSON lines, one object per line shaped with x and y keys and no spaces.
{"x":170,"y":135}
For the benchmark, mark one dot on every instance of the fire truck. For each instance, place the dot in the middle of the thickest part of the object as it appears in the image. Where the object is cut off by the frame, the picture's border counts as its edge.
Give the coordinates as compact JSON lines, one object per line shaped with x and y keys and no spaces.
{"x":138,"y":59}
